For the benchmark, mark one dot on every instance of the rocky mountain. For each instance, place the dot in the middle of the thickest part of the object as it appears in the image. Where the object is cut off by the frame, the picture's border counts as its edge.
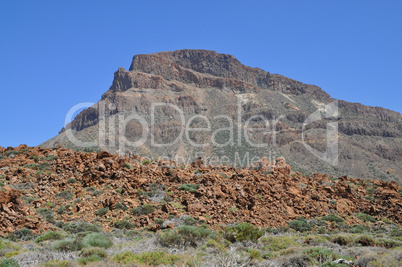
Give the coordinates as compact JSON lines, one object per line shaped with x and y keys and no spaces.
{"x":187,"y":104}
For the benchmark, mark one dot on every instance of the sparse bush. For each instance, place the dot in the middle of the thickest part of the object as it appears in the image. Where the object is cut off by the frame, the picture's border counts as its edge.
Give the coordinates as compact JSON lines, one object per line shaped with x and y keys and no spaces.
{"x":320,"y":255}
{"x":388,"y":243}
{"x":242,"y":232}
{"x":189,"y":221}
{"x":277,"y":243}
{"x":365,"y":217}
{"x":87,"y":260}
{"x":61,"y":210}
{"x":143,"y":209}
{"x":123,"y":224}
{"x":67,"y":195}
{"x":254,"y":253}
{"x":51,"y":235}
{"x":365,"y":241}
{"x":332,"y":218}
{"x":87,"y":252}
{"x":159,"y":221}
{"x":47,"y":214}
{"x":11,"y":152}
{"x":51,"y":157}
{"x":120,"y":206}
{"x":9,"y":263}
{"x":67,"y":245}
{"x":78,"y":227}
{"x":358,"y":229}
{"x":71,"y":180}
{"x":192,"y":188}
{"x":102,"y":211}
{"x":39,"y":167}
{"x":300,"y":225}
{"x":97,"y":240}
{"x":22,"y":234}
{"x":183,"y":235}
{"x":153,"y":258}
{"x":342,"y":240}
{"x":57,"y":263}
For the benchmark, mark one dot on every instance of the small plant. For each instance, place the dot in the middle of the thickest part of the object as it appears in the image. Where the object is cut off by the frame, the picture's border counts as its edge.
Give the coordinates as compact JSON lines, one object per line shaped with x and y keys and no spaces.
{"x":128,"y":166}
{"x":332,"y":218}
{"x":90,"y":251}
{"x":300,"y":225}
{"x":319,"y":255}
{"x":119,"y":190}
{"x":189,"y":221}
{"x":123,"y":224}
{"x":9,"y":263}
{"x":365,"y":217}
{"x":143,"y":209}
{"x":67,"y":195}
{"x":22,"y":234}
{"x":183,"y":235}
{"x":61,"y":210}
{"x":146,"y":162}
{"x":51,"y":157}
{"x":254,"y":253}
{"x":47,"y":214}
{"x":79,"y":227}
{"x":192,"y":188}
{"x":277,"y":243}
{"x":11,"y":152}
{"x":242,"y":232}
{"x":67,"y":245}
{"x":102,"y":211}
{"x":51,"y":235}
{"x":159,"y":221}
{"x":87,"y":260}
{"x":233,"y":209}
{"x":97,"y":240}
{"x":71,"y":180}
{"x":120,"y":206}
{"x":358,"y":229}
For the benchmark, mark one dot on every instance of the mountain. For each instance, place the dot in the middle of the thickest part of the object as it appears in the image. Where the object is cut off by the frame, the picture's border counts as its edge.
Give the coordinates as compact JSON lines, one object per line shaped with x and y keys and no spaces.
{"x":204,"y":104}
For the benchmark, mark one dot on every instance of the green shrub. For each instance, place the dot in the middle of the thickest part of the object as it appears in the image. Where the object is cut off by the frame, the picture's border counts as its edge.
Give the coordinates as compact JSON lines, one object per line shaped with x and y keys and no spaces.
{"x":254,"y":253}
{"x":332,"y":218}
{"x":120,"y":206}
{"x":51,"y":235}
{"x":11,"y":152}
{"x":388,"y":243}
{"x":67,"y":245}
{"x":97,"y":240}
{"x":87,"y":260}
{"x":153,"y":258}
{"x":277,"y":243}
{"x":300,"y":225}
{"x":319,"y":255}
{"x":9,"y":263}
{"x":61,"y":210}
{"x":123,"y":224}
{"x":159,"y":221}
{"x":143,"y":209}
{"x":22,"y":234}
{"x":365,"y":240}
{"x":51,"y":157}
{"x":57,"y":263}
{"x":39,"y":167}
{"x":395,"y":232}
{"x":90,"y":251}
{"x":342,"y":240}
{"x":192,"y":188}
{"x":67,"y":195}
{"x":242,"y":232}
{"x":190,"y":221}
{"x":102,"y":211}
{"x":365,"y":217}
{"x":71,"y":180}
{"x":78,"y":227}
{"x":47,"y":214}
{"x":358,"y":229}
{"x":128,"y":166}
{"x":183,"y":235}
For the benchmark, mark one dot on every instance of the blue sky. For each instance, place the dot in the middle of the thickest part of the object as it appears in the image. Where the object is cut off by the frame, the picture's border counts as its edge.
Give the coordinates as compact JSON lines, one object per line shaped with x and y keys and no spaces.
{"x":55,"y":54}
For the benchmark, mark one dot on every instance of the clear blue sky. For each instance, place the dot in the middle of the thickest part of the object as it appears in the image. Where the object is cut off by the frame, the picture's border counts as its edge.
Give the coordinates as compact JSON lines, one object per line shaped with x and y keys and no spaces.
{"x":55,"y":54}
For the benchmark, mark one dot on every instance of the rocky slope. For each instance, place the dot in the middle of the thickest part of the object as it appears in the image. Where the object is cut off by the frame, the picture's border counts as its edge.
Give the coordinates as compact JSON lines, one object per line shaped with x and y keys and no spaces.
{"x":208,"y":87}
{"x":62,"y":185}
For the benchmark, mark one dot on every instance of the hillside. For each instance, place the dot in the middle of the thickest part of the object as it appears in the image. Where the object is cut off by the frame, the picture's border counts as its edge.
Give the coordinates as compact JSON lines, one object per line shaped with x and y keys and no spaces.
{"x":226,"y":99}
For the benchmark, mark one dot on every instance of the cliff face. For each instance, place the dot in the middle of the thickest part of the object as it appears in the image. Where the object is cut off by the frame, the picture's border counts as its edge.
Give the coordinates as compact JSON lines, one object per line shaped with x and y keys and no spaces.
{"x":242,"y":112}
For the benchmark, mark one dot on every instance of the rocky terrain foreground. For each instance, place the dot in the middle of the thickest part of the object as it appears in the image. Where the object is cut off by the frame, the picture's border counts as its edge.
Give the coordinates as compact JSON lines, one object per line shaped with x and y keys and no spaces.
{"x":58,"y":189}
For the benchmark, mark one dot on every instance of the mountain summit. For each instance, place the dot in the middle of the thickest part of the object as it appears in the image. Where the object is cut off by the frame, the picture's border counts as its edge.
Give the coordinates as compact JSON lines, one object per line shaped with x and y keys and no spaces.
{"x":188,"y":104}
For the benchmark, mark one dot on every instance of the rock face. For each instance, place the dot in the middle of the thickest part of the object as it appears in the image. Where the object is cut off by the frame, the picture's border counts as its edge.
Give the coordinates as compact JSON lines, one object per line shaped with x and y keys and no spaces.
{"x":78,"y":185}
{"x":242,"y":113}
